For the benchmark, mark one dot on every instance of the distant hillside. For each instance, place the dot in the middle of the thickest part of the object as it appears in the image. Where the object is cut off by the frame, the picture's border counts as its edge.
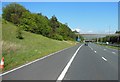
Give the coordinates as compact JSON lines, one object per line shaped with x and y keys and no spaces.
{"x":19,"y":51}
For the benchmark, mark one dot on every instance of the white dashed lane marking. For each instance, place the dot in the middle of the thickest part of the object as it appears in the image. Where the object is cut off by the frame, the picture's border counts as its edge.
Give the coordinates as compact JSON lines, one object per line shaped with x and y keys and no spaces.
{"x":113,"y":52}
{"x":104,"y":58}
{"x":68,"y":65}
{"x":104,"y":49}
{"x":95,"y":51}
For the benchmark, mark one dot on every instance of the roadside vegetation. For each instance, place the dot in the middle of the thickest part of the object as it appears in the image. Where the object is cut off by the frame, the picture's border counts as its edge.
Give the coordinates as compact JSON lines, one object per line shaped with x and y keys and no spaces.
{"x":111,"y":41}
{"x":0,"y":37}
{"x":33,"y":46}
{"x":109,"y":46}
{"x":28,"y":36}
{"x":37,"y":23}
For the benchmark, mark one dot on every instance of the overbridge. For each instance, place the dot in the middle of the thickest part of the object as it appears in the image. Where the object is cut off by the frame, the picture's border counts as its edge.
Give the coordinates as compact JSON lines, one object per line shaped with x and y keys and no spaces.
{"x":91,"y":36}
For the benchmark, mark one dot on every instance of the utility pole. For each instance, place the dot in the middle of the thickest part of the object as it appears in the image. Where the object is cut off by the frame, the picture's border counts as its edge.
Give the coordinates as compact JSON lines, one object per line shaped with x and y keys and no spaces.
{"x":109,"y":30}
{"x":109,"y":35}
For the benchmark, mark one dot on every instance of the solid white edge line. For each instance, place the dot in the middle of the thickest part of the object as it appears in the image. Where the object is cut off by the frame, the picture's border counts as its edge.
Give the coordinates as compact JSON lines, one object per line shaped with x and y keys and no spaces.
{"x":104,"y":58}
{"x":32,"y":62}
{"x":111,"y":48}
{"x":113,"y":52}
{"x":68,"y":65}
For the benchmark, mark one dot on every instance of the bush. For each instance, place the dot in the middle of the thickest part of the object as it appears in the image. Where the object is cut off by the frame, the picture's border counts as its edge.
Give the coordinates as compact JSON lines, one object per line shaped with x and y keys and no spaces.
{"x":19,"y":33}
{"x":57,"y":37}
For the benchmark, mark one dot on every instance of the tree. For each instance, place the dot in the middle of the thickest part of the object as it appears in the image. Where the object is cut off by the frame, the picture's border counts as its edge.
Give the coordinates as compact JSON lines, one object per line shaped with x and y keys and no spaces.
{"x":43,"y":25}
{"x":13,"y":12}
{"x":54,"y":23}
{"x":117,"y":32}
{"x":27,"y":21}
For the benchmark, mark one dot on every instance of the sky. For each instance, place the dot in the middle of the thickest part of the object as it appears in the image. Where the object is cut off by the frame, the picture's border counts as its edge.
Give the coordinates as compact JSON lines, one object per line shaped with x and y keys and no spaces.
{"x":59,"y":0}
{"x":85,"y":17}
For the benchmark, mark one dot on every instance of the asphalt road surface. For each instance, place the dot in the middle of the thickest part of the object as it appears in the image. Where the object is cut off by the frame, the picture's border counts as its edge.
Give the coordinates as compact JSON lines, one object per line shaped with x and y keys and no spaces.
{"x":80,"y":62}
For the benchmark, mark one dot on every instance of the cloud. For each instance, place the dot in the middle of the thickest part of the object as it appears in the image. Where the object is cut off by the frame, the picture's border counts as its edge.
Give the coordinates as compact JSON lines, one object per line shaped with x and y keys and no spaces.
{"x":77,"y":29}
{"x":83,"y":31}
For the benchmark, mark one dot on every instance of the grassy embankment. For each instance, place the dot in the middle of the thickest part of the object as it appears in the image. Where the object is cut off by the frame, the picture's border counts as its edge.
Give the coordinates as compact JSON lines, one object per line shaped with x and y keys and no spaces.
{"x":17,"y":52}
{"x":0,"y":40}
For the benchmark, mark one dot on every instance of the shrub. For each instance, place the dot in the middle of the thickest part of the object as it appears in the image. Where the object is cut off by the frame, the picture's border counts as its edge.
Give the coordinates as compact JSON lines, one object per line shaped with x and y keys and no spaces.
{"x":19,"y":33}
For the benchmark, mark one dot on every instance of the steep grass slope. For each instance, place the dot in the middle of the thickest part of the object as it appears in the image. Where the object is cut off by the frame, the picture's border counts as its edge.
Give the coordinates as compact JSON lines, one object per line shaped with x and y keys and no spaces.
{"x":33,"y":46}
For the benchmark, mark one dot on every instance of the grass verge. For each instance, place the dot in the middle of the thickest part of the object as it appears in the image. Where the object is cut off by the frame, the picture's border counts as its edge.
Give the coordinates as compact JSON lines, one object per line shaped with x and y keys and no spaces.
{"x":112,"y":47}
{"x":17,"y":52}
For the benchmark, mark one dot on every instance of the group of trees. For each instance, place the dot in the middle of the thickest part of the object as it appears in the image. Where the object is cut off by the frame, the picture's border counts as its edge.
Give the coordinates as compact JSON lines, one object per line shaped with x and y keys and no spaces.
{"x":110,"y":38}
{"x":36,"y":23}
